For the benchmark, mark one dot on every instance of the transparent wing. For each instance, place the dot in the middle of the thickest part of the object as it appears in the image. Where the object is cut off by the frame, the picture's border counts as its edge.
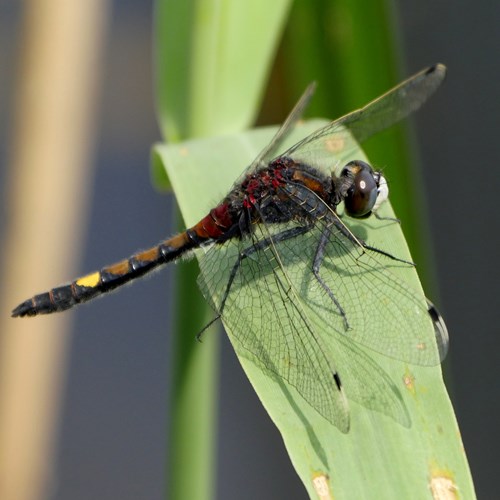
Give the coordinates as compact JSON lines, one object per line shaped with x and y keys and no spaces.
{"x":384,"y":313}
{"x":358,"y":293}
{"x":278,"y":315}
{"x":267,"y":325}
{"x":388,"y":109}
{"x":368,"y":384}
{"x":274,"y":146}
{"x":282,"y":318}
{"x":336,"y":137}
{"x":440,"y":330}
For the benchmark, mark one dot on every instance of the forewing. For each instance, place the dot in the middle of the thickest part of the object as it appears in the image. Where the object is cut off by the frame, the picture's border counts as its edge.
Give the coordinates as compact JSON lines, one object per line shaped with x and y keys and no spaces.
{"x":440,"y":330}
{"x":383,"y":312}
{"x":335,"y":138}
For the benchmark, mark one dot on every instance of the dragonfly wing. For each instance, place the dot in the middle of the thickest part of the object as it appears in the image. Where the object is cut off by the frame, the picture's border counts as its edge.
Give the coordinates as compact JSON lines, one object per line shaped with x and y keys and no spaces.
{"x":367,"y":383}
{"x":383,"y":311}
{"x":266,"y":323}
{"x":361,"y":124}
{"x":271,"y":150}
{"x":440,"y":330}
{"x":360,"y":294}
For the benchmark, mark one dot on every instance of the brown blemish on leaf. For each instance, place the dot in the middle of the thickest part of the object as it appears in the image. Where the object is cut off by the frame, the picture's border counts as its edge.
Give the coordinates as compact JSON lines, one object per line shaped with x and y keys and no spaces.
{"x":335,"y":144}
{"x":442,"y":483}
{"x":443,"y":488}
{"x":409,"y":381}
{"x":421,"y":346}
{"x":321,"y":483}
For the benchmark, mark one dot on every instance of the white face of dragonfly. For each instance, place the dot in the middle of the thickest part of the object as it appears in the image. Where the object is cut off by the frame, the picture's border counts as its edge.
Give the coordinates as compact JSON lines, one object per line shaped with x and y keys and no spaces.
{"x":383,"y":193}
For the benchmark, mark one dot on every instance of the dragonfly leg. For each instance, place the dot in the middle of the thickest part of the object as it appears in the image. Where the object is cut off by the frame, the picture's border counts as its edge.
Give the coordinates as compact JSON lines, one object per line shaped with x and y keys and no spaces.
{"x":358,"y":241}
{"x":256,"y":247}
{"x":386,"y":254}
{"x":318,"y":259}
{"x":389,"y":219}
{"x":247,"y":252}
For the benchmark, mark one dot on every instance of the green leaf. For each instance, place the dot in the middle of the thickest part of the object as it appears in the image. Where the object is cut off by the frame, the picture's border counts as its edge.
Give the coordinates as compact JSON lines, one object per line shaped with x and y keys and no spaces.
{"x":403,"y":440}
{"x":210,"y":54}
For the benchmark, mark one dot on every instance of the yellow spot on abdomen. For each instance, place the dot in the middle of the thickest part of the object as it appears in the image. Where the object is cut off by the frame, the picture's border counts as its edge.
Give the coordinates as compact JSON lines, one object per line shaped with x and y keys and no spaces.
{"x":91,"y":280}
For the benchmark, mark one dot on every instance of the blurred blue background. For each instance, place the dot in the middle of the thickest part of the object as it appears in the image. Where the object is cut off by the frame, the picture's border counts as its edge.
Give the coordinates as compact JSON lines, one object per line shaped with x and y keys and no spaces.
{"x":113,"y":437}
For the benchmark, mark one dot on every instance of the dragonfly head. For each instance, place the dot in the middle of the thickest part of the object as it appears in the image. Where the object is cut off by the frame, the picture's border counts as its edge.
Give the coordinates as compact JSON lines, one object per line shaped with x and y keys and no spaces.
{"x":365,"y":190}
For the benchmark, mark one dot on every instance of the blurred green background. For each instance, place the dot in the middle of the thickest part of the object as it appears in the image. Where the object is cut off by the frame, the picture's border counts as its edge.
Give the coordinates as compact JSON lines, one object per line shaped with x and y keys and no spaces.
{"x":112,"y":435}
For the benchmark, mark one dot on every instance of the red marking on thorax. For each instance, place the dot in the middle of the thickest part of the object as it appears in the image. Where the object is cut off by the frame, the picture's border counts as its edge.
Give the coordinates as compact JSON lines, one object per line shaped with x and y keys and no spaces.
{"x":260,"y":184}
{"x":249,"y":201}
{"x":253,"y":185}
{"x":277,"y":179}
{"x":267,"y":177}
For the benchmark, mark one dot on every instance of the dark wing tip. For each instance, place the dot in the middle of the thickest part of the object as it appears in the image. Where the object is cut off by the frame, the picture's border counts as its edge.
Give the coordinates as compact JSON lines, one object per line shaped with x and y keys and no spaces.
{"x":438,"y":71}
{"x":440,"y":330}
{"x":438,"y":68}
{"x":344,"y":422}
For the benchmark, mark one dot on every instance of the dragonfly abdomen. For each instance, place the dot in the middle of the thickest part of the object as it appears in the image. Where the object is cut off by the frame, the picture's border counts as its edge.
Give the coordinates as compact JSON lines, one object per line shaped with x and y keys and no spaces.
{"x":218,"y":225}
{"x":108,"y":278}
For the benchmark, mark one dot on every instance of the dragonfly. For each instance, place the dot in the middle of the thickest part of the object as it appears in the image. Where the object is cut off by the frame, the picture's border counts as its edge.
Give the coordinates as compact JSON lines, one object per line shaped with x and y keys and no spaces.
{"x":283,"y":268}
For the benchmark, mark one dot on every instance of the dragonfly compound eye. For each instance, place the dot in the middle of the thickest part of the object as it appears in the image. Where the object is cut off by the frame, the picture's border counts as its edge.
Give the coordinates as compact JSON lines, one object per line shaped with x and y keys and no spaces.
{"x":362,"y":195}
